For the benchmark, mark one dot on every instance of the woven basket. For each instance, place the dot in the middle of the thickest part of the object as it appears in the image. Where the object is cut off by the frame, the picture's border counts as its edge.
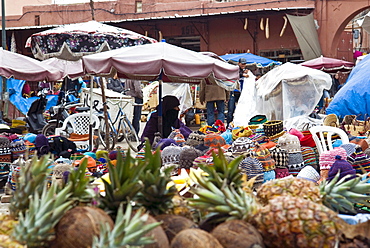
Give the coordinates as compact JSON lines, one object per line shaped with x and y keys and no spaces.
{"x":273,"y":127}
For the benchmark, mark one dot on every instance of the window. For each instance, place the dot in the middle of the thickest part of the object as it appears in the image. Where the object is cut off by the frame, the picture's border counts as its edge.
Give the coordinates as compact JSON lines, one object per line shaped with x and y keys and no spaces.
{"x":37,"y":20}
{"x":139,"y":6}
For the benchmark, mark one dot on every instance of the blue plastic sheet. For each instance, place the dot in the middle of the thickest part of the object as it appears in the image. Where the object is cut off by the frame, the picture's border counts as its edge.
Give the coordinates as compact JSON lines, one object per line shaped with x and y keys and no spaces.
{"x":252,"y":59}
{"x":15,"y":86}
{"x":354,"y":97}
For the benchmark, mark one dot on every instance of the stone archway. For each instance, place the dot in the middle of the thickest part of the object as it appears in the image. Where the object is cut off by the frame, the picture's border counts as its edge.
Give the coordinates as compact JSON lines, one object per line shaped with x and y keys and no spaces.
{"x":332,"y":17}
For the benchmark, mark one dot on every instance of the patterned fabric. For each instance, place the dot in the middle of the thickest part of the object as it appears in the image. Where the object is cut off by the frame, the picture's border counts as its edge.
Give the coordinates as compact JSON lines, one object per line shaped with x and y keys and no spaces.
{"x":281,"y":173}
{"x":295,"y":162}
{"x":327,"y":158}
{"x":269,"y":175}
{"x":275,"y":138}
{"x":201,"y":160}
{"x":177,"y":136}
{"x":17,"y":148}
{"x":140,"y":155}
{"x":360,"y":161}
{"x":59,"y":169}
{"x":14,"y":177}
{"x":309,"y":156}
{"x":195,"y":138}
{"x":280,"y":156}
{"x":290,"y":143}
{"x":83,"y":43}
{"x":309,"y":173}
{"x":187,"y":157}
{"x":349,"y":147}
{"x":214,"y":140}
{"x":238,"y":132}
{"x":242,"y":145}
{"x":4,"y":146}
{"x":272,"y":128}
{"x":4,"y":171}
{"x":260,"y":138}
{"x":255,"y":128}
{"x":6,"y":158}
{"x":264,"y":156}
{"x":252,"y":167}
{"x":171,"y":155}
{"x":257,"y":119}
{"x":77,"y":156}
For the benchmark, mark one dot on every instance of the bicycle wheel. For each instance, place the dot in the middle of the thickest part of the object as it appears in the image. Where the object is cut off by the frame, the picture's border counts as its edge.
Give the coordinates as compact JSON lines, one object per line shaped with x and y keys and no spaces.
{"x":129,"y":134}
{"x":112,"y":136}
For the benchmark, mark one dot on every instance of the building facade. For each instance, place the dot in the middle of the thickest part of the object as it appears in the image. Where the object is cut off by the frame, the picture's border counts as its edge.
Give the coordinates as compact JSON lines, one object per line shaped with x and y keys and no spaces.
{"x":221,"y":27}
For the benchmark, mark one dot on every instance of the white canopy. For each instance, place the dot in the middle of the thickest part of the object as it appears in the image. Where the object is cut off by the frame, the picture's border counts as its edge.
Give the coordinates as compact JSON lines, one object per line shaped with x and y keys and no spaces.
{"x":286,"y":91}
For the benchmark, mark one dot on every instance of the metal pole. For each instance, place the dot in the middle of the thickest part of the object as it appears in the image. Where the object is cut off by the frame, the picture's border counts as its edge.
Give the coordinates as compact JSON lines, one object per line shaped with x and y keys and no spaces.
{"x":3,"y":42}
{"x":91,"y":135}
{"x":3,"y":36}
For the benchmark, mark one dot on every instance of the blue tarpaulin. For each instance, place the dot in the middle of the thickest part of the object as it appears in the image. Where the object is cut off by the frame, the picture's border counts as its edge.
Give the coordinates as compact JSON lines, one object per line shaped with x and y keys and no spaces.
{"x":354,"y":97}
{"x":15,"y":86}
{"x":252,"y":59}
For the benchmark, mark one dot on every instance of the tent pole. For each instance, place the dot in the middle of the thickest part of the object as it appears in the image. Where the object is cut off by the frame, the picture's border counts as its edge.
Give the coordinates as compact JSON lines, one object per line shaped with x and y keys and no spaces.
{"x":105,"y":111}
{"x":91,"y":110}
{"x":160,"y":114}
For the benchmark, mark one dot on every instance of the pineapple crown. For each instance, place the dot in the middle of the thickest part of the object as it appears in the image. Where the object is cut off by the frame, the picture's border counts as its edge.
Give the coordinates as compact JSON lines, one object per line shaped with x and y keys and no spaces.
{"x":340,"y":194}
{"x":128,"y":230}
{"x":154,"y":195}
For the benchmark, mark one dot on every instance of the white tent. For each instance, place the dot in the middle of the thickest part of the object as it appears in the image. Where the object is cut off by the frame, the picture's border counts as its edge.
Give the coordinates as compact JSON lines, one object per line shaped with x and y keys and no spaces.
{"x":286,"y":91}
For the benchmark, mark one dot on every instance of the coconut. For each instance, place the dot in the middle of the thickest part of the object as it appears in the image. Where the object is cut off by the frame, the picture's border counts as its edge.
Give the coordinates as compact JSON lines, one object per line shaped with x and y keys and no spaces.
{"x":173,"y":224}
{"x":78,"y":226}
{"x":211,"y":222}
{"x":238,"y":233}
{"x":194,"y":238}
{"x":158,"y":234}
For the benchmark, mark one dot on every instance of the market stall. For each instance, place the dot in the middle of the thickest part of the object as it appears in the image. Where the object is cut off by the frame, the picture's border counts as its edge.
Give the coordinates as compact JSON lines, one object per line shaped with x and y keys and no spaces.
{"x":286,"y":91}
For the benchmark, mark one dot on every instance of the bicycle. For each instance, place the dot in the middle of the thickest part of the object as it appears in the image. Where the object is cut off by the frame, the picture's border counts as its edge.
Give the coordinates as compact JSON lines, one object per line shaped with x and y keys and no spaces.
{"x":120,"y":128}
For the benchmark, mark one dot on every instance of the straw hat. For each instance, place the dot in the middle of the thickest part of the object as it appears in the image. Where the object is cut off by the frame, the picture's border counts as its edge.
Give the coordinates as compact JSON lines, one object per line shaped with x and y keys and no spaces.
{"x":331,"y":120}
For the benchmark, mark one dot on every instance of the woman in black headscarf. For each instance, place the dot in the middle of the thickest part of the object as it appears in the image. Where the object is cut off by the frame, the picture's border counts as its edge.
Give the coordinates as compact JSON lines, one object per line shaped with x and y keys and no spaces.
{"x":170,"y":113}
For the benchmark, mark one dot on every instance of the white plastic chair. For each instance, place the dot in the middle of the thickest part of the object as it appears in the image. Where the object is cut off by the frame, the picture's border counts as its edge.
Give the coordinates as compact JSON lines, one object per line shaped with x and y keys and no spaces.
{"x":325,"y":142}
{"x":78,"y":124}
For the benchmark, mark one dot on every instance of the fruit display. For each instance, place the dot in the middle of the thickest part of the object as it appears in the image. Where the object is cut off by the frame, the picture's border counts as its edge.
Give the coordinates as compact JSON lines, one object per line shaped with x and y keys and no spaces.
{"x":142,"y":207}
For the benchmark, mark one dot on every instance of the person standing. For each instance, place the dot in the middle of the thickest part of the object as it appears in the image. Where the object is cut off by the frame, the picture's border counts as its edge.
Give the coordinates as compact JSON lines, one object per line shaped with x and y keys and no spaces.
{"x":213,"y":95}
{"x":335,"y":85}
{"x":133,"y":88}
{"x":235,"y":95}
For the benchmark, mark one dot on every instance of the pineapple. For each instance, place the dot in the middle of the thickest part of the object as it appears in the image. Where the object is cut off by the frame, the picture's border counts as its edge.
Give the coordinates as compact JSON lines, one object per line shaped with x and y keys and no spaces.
{"x":6,"y":228}
{"x":339,"y":195}
{"x":7,"y":242}
{"x":155,"y":196}
{"x":129,"y":230}
{"x":124,"y":183}
{"x":222,"y":170}
{"x":296,"y":222}
{"x":81,"y":190}
{"x":285,"y":221}
{"x":35,"y":226}
{"x":32,"y":178}
{"x":7,"y":224}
